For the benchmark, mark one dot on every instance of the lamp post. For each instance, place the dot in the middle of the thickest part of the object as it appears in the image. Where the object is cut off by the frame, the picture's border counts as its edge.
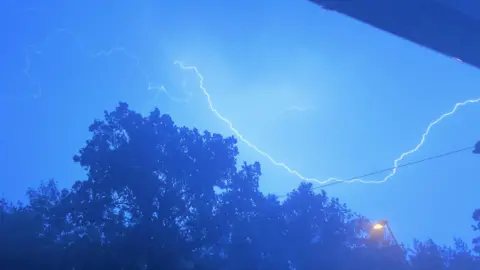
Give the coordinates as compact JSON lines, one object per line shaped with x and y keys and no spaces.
{"x":382,"y":225}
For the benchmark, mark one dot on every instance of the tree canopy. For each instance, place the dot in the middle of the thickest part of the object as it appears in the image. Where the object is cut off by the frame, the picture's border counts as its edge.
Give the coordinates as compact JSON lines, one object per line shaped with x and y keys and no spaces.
{"x":159,"y":196}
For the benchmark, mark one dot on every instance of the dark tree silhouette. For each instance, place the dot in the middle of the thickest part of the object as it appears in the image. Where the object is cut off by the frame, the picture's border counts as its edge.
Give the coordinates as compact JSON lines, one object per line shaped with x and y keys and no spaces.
{"x":476,"y":241}
{"x":159,"y":196}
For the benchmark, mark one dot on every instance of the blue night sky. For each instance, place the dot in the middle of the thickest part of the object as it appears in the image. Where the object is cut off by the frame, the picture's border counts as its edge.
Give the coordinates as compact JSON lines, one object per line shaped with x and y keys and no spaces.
{"x":325,"y":94}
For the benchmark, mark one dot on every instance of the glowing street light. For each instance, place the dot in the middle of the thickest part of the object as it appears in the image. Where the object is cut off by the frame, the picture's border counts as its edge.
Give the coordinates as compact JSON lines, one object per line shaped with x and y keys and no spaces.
{"x":381,"y":225}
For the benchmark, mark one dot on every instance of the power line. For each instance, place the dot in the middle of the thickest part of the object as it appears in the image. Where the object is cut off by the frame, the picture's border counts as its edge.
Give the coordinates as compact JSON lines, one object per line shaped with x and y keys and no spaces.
{"x":391,"y":168}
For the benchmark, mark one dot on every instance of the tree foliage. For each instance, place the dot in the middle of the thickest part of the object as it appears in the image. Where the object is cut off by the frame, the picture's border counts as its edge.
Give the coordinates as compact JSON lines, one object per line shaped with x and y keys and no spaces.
{"x":159,"y":196}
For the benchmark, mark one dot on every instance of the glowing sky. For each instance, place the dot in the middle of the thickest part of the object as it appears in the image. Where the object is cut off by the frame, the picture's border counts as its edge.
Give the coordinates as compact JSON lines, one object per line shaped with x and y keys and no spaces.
{"x":325,"y":94}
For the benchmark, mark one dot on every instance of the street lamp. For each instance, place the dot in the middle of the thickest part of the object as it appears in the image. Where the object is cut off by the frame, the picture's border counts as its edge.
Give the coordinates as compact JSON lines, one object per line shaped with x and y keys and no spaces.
{"x":381,"y":225}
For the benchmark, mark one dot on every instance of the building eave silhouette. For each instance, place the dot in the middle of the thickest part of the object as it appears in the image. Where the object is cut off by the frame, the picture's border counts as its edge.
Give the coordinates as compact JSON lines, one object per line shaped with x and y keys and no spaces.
{"x":429,"y":23}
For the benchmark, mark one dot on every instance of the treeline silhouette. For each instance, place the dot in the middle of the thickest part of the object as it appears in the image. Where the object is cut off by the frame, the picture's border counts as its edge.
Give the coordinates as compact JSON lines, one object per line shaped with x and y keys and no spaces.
{"x":159,"y":196}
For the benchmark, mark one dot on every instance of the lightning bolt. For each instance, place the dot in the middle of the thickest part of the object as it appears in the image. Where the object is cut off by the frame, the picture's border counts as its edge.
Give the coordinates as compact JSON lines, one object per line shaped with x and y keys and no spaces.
{"x":158,"y":88}
{"x":295,"y":109}
{"x":298,"y":174}
{"x":298,"y":109}
{"x":36,"y":49}
{"x":162,"y":89}
{"x":26,"y":71}
{"x":424,"y":136}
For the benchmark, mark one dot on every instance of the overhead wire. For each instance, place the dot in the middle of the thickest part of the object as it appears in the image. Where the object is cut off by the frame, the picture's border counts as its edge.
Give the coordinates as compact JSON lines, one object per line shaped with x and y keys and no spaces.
{"x":391,"y":168}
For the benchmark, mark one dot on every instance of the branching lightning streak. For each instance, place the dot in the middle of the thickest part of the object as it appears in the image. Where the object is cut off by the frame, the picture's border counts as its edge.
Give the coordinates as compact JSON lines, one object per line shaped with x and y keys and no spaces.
{"x":298,"y":109}
{"x":295,"y":109}
{"x":298,"y":174}
{"x":26,"y":71}
{"x":424,"y":136}
{"x":161,"y":89}
{"x":36,"y":49}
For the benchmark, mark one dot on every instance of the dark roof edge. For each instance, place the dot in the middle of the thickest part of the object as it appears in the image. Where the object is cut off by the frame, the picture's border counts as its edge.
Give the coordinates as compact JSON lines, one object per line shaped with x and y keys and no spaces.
{"x":426,"y":22}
